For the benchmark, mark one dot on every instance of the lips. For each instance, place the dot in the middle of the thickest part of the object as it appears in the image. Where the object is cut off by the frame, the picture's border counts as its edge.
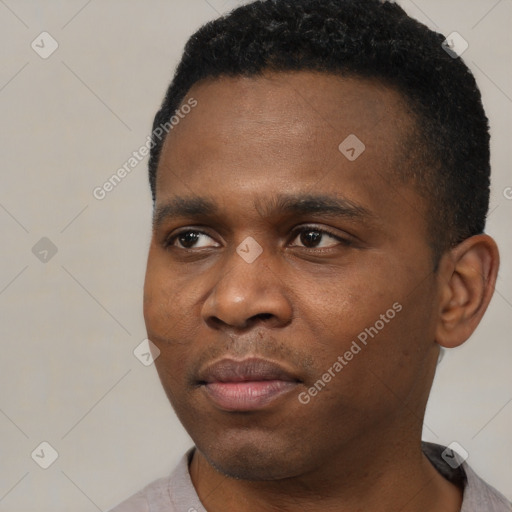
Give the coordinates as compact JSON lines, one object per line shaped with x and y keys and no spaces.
{"x":246,"y":385}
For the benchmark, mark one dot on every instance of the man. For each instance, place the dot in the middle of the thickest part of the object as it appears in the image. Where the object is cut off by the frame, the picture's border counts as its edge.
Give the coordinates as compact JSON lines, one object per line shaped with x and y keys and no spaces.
{"x":319,"y":208}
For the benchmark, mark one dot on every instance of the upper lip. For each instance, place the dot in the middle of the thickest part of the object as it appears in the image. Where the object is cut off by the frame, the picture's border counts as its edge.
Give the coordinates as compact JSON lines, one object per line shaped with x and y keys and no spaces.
{"x":246,"y":370}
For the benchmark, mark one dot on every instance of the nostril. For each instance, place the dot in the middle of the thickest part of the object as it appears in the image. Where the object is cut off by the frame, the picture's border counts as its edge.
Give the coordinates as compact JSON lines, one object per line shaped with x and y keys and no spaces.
{"x":262,"y":316}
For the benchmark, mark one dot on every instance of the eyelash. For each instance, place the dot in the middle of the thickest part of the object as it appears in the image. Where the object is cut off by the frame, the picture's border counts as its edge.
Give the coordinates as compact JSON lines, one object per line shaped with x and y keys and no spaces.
{"x":168,"y":243}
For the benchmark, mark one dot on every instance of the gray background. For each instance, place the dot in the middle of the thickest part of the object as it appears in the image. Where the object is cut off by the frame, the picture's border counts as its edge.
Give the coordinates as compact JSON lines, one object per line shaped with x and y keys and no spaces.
{"x":69,"y":325}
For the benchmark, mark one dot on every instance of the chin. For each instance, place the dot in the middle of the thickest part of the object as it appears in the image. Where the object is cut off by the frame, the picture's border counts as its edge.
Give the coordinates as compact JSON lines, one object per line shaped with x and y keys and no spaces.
{"x":255,"y":459}
{"x":250,"y":464}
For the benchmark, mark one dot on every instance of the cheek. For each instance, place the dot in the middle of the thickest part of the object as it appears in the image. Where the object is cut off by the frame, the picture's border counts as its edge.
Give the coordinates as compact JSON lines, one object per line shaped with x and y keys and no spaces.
{"x":339,"y":306}
{"x":170,"y":306}
{"x":371,"y":316}
{"x":171,"y":327}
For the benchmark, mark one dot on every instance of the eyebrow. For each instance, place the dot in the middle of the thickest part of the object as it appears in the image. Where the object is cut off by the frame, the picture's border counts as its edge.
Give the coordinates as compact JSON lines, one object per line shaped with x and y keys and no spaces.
{"x":314,"y":204}
{"x":279,"y":204}
{"x":184,"y":207}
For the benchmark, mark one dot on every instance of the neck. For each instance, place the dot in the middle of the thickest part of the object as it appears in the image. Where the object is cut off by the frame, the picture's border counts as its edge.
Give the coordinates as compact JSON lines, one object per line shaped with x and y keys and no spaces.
{"x":377,"y":477}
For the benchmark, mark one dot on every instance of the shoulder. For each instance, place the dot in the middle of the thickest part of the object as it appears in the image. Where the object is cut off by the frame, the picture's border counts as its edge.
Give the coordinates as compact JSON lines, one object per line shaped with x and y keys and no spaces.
{"x":170,"y":494}
{"x":142,"y":501}
{"x":478,"y":495}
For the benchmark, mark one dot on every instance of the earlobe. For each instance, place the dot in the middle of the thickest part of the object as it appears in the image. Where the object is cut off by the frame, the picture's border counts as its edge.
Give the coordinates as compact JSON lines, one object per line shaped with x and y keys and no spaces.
{"x":467,"y":276}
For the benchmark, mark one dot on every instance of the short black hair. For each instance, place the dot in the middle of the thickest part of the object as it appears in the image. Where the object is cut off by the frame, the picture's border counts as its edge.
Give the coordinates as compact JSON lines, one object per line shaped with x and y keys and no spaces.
{"x":373,"y":39}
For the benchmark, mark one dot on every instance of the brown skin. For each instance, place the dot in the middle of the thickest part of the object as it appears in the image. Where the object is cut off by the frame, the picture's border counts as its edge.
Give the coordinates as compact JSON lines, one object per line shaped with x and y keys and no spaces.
{"x":356,"y":445}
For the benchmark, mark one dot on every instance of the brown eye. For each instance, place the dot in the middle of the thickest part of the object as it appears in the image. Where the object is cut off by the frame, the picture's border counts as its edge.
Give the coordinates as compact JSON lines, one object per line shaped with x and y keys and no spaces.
{"x":192,"y":239}
{"x":188,"y":239}
{"x":313,"y":238}
{"x":310,"y":238}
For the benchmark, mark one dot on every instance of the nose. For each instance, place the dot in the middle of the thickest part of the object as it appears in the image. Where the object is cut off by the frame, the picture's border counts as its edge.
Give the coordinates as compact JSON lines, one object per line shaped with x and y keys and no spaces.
{"x":246,"y":294}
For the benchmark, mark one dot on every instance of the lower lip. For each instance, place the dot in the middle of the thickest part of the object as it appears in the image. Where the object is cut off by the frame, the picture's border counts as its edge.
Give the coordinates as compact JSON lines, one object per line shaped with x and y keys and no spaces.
{"x":246,"y":396}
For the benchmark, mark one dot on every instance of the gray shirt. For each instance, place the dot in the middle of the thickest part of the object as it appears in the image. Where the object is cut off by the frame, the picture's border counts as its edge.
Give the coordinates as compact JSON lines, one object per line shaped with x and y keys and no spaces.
{"x":177,"y":493}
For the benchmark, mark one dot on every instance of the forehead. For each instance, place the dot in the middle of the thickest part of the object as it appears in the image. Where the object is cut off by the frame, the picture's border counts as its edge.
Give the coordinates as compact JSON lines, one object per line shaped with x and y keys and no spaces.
{"x":286,"y":116}
{"x":295,"y":132}
{"x":320,"y":100}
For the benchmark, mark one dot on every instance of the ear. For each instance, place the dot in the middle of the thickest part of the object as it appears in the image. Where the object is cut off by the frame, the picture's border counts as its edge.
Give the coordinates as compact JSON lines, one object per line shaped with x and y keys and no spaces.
{"x":467,"y":276}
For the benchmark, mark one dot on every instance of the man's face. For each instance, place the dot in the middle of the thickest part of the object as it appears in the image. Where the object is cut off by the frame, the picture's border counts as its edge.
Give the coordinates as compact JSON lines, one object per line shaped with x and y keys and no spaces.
{"x":244,"y":336}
